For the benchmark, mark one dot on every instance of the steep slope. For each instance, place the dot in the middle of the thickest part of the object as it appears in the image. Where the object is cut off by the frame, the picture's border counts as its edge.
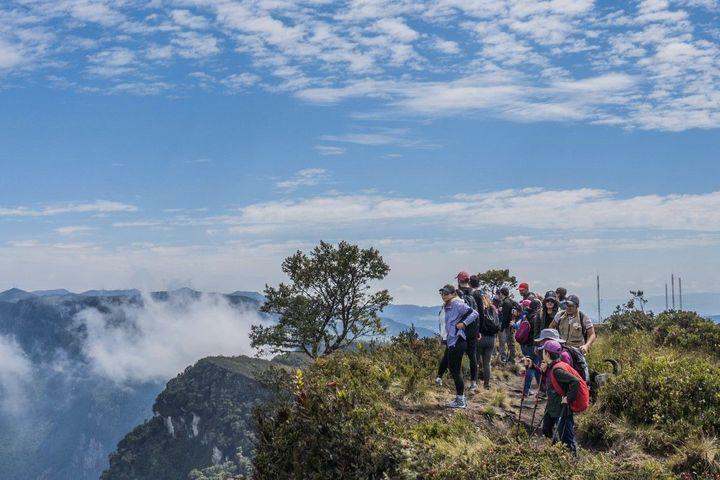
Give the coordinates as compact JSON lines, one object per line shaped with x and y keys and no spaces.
{"x":203,"y":417}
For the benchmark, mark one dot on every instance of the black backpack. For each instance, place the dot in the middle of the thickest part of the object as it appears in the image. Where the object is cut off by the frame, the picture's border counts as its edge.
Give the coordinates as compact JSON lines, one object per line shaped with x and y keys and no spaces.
{"x":468,"y":299}
{"x":491,"y":322}
{"x":579,"y":363}
{"x":488,"y":316}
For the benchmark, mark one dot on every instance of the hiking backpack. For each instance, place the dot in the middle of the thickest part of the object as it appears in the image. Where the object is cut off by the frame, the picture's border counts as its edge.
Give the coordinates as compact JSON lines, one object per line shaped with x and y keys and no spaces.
{"x":491,"y":322}
{"x":523,"y":332}
{"x":468,"y":299}
{"x":489,"y":318}
{"x":582,"y":401}
{"x":579,"y":364}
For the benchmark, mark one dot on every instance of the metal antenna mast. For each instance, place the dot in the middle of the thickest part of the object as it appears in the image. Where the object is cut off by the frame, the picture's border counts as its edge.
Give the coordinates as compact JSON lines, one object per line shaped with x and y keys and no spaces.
{"x":598,"y":298}
{"x":672,"y":281}
{"x":680,"y":287}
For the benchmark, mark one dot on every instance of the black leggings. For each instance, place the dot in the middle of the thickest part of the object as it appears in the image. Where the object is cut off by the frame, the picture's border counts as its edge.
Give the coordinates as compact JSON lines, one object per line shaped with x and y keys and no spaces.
{"x":443,"y":365}
{"x":455,"y":356}
{"x":471,"y":349}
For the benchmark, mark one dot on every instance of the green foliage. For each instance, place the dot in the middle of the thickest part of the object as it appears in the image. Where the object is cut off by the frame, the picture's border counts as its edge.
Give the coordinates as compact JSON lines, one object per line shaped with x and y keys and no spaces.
{"x":627,"y":319}
{"x":328,"y":304}
{"x":494,"y":280}
{"x":678,"y":393}
{"x":688,"y":331}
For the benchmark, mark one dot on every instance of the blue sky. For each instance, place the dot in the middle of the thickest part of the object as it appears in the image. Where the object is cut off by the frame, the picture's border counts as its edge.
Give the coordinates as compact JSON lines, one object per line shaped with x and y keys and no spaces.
{"x":198,"y":142}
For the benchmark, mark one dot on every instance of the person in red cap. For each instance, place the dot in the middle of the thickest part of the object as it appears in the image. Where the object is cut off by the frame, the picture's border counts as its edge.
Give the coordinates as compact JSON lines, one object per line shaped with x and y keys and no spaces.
{"x":472,"y":331}
{"x":525,"y":292}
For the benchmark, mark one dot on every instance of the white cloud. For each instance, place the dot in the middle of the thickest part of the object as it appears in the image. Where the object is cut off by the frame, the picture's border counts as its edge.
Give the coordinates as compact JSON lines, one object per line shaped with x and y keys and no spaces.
{"x":161,"y":338}
{"x":185,"y":18}
{"x":329,"y":150}
{"x":10,"y":55}
{"x":99,"y":206}
{"x":15,"y":372}
{"x":584,"y":209}
{"x":74,"y":230}
{"x":308,"y":177}
{"x":195,"y":45}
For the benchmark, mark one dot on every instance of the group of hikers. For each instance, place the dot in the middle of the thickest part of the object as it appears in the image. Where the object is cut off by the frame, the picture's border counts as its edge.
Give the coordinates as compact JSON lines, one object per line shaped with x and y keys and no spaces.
{"x":553,"y":334}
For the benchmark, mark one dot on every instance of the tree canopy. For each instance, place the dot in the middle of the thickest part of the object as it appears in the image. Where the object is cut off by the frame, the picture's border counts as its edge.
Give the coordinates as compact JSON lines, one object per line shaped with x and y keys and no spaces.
{"x":494,"y":280}
{"x":328,"y":302}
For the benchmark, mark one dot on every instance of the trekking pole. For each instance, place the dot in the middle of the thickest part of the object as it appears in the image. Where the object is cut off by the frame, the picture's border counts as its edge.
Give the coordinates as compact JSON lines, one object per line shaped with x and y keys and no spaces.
{"x":537,"y":399}
{"x":522,"y":400}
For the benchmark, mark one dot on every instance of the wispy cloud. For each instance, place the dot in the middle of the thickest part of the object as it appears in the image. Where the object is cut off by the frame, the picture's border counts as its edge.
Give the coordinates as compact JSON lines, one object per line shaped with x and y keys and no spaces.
{"x":308,"y":177}
{"x":380,"y":137}
{"x":99,"y":206}
{"x":74,"y":230}
{"x":198,"y":161}
{"x":329,"y":150}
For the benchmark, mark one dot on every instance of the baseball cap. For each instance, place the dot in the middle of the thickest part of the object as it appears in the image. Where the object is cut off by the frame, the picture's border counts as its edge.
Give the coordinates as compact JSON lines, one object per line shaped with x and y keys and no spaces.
{"x":573,"y":299}
{"x":463,"y":277}
{"x":551,"y":346}
{"x":447,"y":289}
{"x":523,"y":286}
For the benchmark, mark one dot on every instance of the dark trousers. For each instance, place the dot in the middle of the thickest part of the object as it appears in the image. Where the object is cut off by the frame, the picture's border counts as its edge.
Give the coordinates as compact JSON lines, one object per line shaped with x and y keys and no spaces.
{"x":455,"y":356}
{"x":443,"y":365}
{"x":471,"y":350}
{"x":485,"y":349}
{"x":565,"y":429}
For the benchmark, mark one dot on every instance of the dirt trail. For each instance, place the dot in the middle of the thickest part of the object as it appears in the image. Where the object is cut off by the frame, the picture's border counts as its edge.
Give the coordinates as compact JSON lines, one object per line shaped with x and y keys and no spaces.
{"x":496,"y":408}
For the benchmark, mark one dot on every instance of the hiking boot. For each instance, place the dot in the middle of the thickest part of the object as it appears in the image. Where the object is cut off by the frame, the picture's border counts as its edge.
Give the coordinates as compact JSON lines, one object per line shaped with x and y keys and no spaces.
{"x":486,"y":386}
{"x":473,"y":388}
{"x":459,"y":402}
{"x":438,"y":381}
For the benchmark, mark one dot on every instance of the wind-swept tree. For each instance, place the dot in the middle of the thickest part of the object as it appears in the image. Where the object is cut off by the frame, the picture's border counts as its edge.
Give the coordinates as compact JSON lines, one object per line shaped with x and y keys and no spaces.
{"x":494,"y":280}
{"x":328,"y":303}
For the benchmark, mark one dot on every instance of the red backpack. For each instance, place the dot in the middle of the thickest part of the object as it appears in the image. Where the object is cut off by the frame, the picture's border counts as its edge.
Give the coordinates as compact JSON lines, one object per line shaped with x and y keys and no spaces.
{"x":582,"y":401}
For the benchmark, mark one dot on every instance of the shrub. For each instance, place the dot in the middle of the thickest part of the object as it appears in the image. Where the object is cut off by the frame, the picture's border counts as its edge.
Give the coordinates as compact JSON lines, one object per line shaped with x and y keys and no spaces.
{"x":688,"y":331}
{"x":677,"y":393}
{"x":629,"y":320}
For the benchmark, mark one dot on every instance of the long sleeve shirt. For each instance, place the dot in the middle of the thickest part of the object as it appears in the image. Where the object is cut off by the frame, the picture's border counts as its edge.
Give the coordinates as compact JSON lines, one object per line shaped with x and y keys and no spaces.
{"x":457,"y":311}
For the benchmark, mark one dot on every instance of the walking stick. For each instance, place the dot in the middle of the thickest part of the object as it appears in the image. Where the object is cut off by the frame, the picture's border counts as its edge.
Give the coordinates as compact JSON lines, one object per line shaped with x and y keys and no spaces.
{"x":537,"y":399}
{"x":522,"y":400}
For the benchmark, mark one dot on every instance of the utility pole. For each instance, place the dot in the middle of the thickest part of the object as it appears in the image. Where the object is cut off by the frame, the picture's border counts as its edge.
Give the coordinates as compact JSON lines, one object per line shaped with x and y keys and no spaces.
{"x":598,"y":297}
{"x":666,"y":298}
{"x":680,"y":286}
{"x":672,"y":282}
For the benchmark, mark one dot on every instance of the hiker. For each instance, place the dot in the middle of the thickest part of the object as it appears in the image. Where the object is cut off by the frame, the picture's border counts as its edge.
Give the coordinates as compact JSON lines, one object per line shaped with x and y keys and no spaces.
{"x":472,"y":330}
{"x":507,"y":341}
{"x":574,"y":326}
{"x":489,"y":327}
{"x":443,"y":365}
{"x":527,"y":345}
{"x":457,"y":316}
{"x":561,"y":296}
{"x":551,"y":307}
{"x":564,"y":389}
{"x":525,"y":292}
